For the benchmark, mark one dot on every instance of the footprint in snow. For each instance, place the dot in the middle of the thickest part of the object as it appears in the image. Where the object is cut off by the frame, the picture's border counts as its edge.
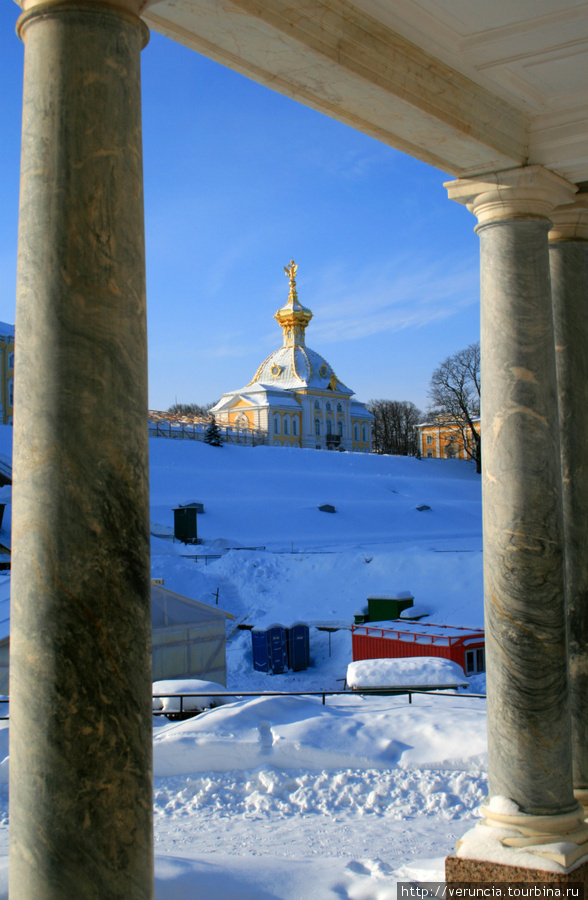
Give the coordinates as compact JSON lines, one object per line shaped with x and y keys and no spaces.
{"x":371,"y":868}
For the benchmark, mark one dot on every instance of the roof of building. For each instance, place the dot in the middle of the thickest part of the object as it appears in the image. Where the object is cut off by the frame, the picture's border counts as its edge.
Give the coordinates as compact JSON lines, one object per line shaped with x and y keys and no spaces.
{"x":294,"y":366}
{"x":298,"y":368}
{"x":170,"y":609}
{"x":257,"y":394}
{"x":360,"y":410}
{"x":445,"y":421}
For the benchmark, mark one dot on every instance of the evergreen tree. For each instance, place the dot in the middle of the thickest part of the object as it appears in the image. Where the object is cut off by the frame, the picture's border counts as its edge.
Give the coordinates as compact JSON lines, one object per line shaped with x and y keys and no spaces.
{"x":212,"y":435}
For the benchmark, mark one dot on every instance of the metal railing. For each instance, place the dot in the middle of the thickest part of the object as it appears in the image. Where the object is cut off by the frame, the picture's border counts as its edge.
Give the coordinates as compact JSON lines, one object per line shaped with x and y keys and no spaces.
{"x":168,"y":425}
{"x":382,"y":692}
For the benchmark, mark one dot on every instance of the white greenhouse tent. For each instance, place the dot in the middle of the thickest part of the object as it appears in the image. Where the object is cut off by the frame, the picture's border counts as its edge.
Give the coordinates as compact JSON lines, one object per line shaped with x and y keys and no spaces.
{"x":189,"y":637}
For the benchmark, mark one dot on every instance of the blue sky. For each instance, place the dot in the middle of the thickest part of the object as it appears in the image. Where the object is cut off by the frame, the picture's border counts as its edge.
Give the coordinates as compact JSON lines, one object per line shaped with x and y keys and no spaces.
{"x":239,"y":180}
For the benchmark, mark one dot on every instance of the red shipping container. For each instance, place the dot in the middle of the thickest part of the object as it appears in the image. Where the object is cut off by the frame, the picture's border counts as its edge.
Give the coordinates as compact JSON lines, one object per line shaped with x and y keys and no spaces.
{"x":465,"y":646}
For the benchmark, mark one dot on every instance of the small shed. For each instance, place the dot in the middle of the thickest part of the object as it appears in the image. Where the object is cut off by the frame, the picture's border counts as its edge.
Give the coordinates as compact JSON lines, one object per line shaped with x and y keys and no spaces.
{"x":188,"y":637}
{"x":186,"y":524}
{"x":465,"y":646}
{"x":384,"y":607}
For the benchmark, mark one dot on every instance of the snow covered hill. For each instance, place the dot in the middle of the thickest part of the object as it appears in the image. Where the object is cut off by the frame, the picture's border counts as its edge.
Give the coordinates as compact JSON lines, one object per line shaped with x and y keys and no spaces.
{"x":284,"y":798}
{"x":317,"y":567}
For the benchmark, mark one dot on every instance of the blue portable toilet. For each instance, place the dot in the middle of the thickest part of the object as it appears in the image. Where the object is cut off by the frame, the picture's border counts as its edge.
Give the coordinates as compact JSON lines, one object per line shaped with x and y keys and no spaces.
{"x":270,"y":653}
{"x":259,"y":647}
{"x":298,"y":646}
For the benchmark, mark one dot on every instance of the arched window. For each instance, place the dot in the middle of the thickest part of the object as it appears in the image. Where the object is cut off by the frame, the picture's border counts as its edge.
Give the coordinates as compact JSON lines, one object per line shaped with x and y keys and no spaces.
{"x":317,"y":404}
{"x":329,"y":427}
{"x":276,"y":424}
{"x":286,"y":427}
{"x":356,"y":432}
{"x":328,"y":406}
{"x":339,"y":408}
{"x":317,"y":427}
{"x":340,"y":428}
{"x":295,"y":426}
{"x":364,"y":433}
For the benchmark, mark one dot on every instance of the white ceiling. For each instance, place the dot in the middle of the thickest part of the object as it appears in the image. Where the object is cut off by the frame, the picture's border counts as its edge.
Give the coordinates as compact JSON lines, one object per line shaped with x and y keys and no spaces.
{"x":468,"y":85}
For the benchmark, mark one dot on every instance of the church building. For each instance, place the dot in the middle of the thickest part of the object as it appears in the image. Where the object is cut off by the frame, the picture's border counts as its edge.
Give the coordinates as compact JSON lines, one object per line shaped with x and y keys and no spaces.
{"x":295,"y":396}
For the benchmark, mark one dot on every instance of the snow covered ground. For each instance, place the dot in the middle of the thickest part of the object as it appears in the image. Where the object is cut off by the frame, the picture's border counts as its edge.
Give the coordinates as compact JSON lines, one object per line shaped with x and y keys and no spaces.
{"x":279,"y":798}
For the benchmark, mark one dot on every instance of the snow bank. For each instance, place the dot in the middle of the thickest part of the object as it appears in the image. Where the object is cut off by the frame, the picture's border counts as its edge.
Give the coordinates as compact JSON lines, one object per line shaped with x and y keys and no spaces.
{"x":186,"y":686}
{"x":348,"y":732}
{"x":413,"y":671}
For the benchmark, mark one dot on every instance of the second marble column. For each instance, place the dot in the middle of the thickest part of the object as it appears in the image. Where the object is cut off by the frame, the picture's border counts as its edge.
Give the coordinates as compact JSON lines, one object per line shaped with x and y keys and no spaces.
{"x":568,"y":251}
{"x":529,"y":744}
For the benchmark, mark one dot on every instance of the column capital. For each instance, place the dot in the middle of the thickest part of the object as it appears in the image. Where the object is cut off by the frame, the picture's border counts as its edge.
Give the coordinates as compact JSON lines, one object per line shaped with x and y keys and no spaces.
{"x":570,"y":221}
{"x":525,"y":192}
{"x":134,"y":7}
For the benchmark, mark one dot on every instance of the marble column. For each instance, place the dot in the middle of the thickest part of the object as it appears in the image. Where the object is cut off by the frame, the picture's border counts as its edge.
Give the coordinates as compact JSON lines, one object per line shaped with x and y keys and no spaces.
{"x":80,"y":681}
{"x":568,"y":252}
{"x":529,"y":737}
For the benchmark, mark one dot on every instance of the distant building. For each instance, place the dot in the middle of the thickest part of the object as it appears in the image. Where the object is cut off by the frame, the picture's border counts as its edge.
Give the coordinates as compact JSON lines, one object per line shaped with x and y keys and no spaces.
{"x":444,"y":438}
{"x":6,"y":373}
{"x":295,"y":396}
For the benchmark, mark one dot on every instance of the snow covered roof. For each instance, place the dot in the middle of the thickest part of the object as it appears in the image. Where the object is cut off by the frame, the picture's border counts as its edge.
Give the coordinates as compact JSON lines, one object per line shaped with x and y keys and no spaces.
{"x":260,"y":395}
{"x":169,"y":609}
{"x":359,"y":410}
{"x":421,"y":632}
{"x":296,"y":368}
{"x":6,"y":330}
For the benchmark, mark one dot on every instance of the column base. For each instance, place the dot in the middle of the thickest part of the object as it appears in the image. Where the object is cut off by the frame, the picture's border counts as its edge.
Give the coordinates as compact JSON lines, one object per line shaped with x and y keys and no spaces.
{"x":581,"y":795}
{"x":519,"y":841}
{"x":480,"y":870}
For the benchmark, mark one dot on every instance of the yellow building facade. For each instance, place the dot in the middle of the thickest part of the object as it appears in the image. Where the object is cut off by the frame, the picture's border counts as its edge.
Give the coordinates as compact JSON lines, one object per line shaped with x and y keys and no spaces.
{"x":7,"y":372}
{"x":444,"y":439}
{"x":295,"y":395}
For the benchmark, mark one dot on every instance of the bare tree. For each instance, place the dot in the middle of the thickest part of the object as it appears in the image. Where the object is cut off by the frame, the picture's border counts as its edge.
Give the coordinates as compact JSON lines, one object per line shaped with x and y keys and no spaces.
{"x":393,"y":429}
{"x":190,"y":409}
{"x":454,"y":390}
